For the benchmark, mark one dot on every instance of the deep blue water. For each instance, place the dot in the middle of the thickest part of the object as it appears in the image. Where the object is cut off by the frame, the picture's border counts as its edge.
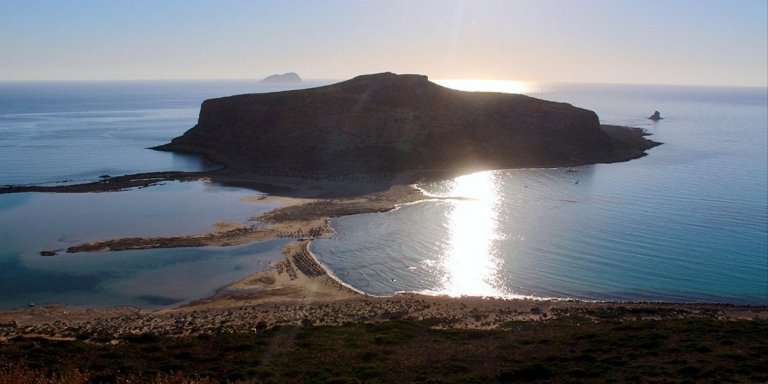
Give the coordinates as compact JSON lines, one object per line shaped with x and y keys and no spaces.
{"x":687,"y":223}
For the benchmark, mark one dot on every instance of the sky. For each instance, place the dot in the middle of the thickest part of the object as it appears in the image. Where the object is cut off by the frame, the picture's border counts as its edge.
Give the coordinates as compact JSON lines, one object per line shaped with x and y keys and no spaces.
{"x":703,"y":42}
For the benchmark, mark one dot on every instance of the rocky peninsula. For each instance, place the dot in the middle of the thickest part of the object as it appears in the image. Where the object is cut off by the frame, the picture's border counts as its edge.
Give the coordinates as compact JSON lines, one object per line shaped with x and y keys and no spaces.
{"x":388,"y":123}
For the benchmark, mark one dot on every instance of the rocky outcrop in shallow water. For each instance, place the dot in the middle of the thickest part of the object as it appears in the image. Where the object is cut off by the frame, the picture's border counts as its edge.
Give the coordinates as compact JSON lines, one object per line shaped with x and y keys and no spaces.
{"x":390,"y":123}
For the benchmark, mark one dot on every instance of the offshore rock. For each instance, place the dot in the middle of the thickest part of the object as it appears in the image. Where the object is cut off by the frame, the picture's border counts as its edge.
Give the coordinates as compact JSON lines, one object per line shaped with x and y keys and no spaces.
{"x":285,"y":78}
{"x":390,"y":123}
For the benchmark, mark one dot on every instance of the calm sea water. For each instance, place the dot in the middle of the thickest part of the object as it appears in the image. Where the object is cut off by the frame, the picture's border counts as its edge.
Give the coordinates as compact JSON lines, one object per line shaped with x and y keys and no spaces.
{"x":147,"y":279}
{"x":32,"y":222}
{"x":77,"y":131}
{"x":686,"y":223}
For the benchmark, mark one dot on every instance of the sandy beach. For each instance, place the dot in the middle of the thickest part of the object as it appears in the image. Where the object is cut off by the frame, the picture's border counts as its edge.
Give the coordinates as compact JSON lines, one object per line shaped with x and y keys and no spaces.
{"x":300,"y":291}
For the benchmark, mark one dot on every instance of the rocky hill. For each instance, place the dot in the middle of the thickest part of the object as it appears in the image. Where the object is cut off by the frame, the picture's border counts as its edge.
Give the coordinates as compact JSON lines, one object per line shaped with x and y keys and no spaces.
{"x":388,"y":123}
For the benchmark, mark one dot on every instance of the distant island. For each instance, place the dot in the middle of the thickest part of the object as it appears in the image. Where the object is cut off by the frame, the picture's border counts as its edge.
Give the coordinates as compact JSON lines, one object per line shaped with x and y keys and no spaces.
{"x":391,"y":123}
{"x":285,"y":78}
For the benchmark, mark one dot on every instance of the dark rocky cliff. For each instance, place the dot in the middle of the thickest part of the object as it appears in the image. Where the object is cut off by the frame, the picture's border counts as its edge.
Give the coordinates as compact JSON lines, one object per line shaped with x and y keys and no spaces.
{"x":387,"y":122}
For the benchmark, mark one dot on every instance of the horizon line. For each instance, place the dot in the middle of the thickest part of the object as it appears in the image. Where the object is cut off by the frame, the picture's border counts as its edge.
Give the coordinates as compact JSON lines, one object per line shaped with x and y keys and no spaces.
{"x":435,"y":80}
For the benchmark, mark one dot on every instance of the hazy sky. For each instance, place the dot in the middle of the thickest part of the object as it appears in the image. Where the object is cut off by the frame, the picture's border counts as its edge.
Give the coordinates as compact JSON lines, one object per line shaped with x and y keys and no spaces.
{"x":616,"y":41}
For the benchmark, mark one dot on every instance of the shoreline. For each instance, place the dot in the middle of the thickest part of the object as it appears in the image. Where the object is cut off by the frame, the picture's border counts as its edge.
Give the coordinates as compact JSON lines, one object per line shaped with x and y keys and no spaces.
{"x":300,"y":291}
{"x":629,"y":143}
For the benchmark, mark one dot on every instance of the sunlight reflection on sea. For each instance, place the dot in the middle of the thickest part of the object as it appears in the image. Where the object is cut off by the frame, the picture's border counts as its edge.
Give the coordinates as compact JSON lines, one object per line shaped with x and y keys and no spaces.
{"x":471,"y":264}
{"x":688,"y":222}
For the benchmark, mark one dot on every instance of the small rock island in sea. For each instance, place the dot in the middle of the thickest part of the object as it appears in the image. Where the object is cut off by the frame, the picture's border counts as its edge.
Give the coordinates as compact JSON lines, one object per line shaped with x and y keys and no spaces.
{"x":285,"y":78}
{"x":391,"y":123}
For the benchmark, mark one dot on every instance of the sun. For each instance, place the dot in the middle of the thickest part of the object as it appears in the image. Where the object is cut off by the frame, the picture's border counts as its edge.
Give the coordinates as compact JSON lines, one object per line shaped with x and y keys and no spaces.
{"x":479,"y":85}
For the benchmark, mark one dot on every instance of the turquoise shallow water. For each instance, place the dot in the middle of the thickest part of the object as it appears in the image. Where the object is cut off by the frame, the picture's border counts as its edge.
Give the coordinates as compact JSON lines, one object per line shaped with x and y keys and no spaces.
{"x":38,"y":221}
{"x":687,"y":223}
{"x":32,"y":222}
{"x":147,"y":279}
{"x":77,"y":131}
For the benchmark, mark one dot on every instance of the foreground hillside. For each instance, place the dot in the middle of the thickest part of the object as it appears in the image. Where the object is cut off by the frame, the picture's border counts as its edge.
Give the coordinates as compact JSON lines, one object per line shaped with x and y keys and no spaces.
{"x":601,"y":348}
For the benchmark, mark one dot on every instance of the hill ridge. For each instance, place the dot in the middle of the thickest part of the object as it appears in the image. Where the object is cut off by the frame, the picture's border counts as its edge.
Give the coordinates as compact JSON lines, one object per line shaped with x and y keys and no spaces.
{"x":390,"y":123}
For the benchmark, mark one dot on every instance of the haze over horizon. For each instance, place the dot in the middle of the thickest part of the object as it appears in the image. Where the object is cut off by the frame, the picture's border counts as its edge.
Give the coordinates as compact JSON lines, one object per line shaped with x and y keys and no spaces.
{"x":711,"y":42}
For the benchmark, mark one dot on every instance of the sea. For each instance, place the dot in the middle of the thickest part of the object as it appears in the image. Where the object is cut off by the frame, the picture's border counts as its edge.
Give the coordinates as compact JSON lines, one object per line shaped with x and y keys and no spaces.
{"x":686,"y":223}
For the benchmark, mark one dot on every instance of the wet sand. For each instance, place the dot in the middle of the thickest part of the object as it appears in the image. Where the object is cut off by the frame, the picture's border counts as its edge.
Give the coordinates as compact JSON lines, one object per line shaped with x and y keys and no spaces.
{"x":299,"y":217}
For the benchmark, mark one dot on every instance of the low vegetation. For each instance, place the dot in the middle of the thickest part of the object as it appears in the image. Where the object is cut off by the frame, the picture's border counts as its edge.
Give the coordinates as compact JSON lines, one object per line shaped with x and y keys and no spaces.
{"x":573,"y":349}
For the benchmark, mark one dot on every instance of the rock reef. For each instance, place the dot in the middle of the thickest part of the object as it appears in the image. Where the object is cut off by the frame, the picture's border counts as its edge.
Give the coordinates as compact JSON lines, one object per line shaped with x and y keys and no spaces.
{"x":392,"y":123}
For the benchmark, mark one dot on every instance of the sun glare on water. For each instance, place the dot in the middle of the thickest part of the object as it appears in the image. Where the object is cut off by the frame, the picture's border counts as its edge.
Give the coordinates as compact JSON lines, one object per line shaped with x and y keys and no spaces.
{"x":475,"y":85}
{"x":470,"y":262}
